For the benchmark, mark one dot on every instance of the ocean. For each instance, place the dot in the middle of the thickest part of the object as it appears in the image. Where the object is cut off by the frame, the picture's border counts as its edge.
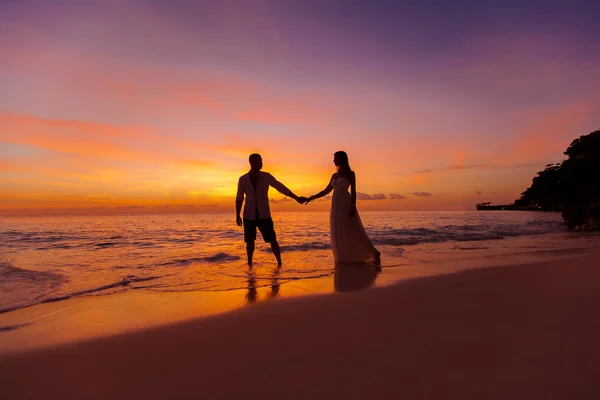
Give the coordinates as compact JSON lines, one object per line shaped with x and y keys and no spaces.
{"x":55,"y":258}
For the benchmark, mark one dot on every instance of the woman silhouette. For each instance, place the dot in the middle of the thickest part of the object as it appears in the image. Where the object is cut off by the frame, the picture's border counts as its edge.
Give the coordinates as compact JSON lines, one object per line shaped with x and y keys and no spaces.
{"x":349,"y":240}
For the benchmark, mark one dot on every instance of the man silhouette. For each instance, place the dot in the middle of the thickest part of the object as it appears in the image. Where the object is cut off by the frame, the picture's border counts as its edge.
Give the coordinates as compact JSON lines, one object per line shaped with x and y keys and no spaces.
{"x":257,"y":214}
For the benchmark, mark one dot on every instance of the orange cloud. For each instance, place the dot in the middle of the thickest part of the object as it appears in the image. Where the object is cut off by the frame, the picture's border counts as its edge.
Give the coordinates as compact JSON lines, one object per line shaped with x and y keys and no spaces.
{"x":90,"y":139}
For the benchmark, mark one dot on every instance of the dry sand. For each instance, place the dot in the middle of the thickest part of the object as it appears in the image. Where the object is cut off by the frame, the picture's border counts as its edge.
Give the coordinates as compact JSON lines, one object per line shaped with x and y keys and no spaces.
{"x":522,"y":332}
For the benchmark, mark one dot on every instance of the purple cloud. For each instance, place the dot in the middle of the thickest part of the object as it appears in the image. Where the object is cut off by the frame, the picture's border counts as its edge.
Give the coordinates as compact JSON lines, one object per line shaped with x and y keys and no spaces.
{"x":282,"y":200}
{"x":461,"y":166}
{"x":420,"y":194}
{"x":363,"y":196}
{"x":326,"y":198}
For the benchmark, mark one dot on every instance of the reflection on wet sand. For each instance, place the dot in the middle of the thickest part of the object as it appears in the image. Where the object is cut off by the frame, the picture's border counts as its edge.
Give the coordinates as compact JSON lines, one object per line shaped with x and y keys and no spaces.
{"x":353,"y":277}
{"x":252,"y":292}
{"x":346,"y":278}
{"x":274,"y":284}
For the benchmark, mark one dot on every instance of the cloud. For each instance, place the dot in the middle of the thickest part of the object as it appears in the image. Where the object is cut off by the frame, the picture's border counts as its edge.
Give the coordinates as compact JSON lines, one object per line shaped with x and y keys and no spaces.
{"x":369,"y":197}
{"x":396,"y":196}
{"x":326,"y":198}
{"x":461,"y":167}
{"x":491,"y":166}
{"x":420,"y":194}
{"x":282,"y":200}
{"x":480,"y":193}
{"x":90,"y":139}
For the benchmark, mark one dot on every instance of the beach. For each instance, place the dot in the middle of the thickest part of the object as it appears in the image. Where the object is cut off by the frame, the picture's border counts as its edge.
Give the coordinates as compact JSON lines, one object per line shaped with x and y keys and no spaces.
{"x":299,"y":200}
{"x":516,"y":331}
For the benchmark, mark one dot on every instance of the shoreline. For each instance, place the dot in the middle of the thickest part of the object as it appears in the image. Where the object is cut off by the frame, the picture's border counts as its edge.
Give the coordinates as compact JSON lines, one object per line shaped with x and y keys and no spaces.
{"x":519,"y":331}
{"x":84,"y":318}
{"x":394,"y":256}
{"x":188,"y":260}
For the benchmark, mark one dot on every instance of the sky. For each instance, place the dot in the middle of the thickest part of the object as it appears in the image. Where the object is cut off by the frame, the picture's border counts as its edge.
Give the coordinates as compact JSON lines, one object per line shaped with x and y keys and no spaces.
{"x":144,"y":105}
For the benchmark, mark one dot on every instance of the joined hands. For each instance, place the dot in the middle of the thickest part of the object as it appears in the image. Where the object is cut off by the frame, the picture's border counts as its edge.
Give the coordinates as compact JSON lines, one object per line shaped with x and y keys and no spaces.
{"x":302,"y":200}
{"x":307,"y":200}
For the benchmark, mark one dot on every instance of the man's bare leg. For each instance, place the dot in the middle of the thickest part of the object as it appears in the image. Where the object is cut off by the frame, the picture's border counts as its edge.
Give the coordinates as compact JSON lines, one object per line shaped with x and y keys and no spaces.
{"x":276,"y":251}
{"x":250,"y":252}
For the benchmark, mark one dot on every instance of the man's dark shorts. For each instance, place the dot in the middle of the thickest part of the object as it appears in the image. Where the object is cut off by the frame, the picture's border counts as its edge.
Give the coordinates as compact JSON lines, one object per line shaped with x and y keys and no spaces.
{"x":265,"y":226}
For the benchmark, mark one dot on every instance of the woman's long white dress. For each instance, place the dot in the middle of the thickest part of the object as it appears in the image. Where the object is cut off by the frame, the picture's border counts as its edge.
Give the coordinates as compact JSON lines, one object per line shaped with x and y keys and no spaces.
{"x":349,"y":240}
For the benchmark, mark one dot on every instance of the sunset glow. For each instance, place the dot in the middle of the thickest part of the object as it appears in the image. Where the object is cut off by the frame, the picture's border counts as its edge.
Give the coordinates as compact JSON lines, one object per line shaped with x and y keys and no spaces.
{"x":141,"y":106}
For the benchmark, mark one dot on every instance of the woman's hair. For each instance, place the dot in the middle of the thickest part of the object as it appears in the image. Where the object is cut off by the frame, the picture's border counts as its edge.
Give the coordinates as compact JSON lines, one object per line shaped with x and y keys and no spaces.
{"x":343,"y":160}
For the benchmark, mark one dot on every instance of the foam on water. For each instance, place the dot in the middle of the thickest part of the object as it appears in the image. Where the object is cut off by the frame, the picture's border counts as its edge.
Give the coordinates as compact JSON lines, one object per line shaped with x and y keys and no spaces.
{"x":53,"y":258}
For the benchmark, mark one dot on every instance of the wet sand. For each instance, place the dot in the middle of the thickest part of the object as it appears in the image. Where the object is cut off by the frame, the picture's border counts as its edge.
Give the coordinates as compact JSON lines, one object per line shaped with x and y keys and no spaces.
{"x":522,"y":331}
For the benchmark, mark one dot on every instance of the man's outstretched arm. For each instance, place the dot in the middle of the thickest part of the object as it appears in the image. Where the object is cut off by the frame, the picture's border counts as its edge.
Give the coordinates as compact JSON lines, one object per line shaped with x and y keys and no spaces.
{"x":281,"y":188}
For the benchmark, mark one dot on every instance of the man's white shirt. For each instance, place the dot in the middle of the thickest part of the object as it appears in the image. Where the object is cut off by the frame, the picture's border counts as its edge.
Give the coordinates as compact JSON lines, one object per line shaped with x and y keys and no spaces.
{"x":258,"y":199}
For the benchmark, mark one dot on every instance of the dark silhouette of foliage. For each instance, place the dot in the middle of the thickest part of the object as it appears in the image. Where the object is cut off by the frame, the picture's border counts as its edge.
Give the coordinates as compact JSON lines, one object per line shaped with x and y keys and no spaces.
{"x":572,"y":185}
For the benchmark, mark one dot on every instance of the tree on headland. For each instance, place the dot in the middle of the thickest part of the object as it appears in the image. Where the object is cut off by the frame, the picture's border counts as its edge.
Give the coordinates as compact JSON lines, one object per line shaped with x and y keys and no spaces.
{"x":544,"y":193}
{"x":572,"y":185}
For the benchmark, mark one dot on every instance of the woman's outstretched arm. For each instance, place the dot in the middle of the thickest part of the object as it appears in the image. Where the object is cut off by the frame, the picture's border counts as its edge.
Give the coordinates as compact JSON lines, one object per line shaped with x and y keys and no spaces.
{"x":322,"y":193}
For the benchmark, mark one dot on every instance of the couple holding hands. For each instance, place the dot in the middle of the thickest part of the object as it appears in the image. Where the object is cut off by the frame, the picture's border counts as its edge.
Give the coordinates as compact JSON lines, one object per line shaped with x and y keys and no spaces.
{"x":349,"y":240}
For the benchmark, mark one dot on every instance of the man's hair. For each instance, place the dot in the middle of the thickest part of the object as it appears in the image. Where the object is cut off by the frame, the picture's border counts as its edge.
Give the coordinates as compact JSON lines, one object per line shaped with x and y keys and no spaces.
{"x":253,"y":156}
